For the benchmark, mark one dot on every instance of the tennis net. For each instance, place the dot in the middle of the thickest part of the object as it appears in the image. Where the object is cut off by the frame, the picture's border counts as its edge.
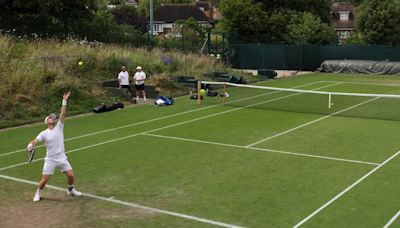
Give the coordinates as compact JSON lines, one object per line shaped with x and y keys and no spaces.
{"x":315,"y":101}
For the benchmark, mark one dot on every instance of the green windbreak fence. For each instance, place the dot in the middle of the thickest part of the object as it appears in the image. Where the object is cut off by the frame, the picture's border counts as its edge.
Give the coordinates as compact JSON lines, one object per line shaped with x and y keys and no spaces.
{"x":310,"y":57}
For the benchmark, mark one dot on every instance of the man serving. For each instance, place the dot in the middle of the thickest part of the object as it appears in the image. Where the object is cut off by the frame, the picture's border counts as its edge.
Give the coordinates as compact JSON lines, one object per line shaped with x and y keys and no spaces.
{"x":53,"y":138}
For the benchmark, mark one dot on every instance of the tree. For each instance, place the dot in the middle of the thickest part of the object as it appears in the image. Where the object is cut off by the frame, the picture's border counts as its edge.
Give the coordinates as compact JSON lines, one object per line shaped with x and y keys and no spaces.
{"x":268,"y":20}
{"x":245,"y":17}
{"x":309,"y":29}
{"x":129,"y":15}
{"x":378,"y":21}
{"x":45,"y":17}
{"x":319,"y":8}
{"x":144,"y":5}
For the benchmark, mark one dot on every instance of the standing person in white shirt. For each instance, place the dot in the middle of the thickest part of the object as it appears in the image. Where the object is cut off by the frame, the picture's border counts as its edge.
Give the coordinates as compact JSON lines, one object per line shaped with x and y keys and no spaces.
{"x":53,"y":138}
{"x":123,"y":80}
{"x":138,"y":79}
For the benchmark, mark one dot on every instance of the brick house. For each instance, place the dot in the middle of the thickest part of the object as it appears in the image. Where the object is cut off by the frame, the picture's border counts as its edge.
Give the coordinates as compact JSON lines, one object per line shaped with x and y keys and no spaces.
{"x":343,"y":19}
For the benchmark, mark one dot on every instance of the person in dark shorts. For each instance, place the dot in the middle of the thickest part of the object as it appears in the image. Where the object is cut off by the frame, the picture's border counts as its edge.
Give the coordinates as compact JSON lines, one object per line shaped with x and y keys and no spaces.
{"x":123,"y":80}
{"x":138,"y":80}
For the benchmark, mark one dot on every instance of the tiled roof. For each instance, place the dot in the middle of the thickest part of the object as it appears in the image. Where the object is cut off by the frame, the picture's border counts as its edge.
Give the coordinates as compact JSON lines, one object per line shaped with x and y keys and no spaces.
{"x":342,"y":6}
{"x":174,"y":12}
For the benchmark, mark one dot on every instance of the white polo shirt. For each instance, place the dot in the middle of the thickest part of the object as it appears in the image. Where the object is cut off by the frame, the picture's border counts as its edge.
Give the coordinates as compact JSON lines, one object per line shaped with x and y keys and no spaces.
{"x":54,"y":141}
{"x":124,"y":77}
{"x":139,"y":77}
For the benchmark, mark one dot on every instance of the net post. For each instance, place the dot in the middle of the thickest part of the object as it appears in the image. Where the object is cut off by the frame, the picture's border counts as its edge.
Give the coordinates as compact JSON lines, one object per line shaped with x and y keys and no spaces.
{"x":198,"y":91}
{"x":330,"y":101}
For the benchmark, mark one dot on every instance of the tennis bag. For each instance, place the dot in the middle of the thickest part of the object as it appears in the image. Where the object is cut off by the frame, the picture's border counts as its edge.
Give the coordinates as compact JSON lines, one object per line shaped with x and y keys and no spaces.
{"x":163,"y":101}
{"x":106,"y":108}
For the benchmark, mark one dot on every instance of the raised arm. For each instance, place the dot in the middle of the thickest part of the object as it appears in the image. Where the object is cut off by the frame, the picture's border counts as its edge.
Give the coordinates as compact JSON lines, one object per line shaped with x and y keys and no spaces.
{"x":64,"y":106}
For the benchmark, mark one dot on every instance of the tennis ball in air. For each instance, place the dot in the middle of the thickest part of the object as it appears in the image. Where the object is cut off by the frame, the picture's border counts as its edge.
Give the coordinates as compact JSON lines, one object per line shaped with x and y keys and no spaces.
{"x":80,"y":63}
{"x":202,"y":91}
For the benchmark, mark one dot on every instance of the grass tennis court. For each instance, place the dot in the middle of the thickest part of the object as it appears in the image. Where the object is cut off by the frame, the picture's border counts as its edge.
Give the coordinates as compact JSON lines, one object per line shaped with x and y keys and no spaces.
{"x":266,"y":160}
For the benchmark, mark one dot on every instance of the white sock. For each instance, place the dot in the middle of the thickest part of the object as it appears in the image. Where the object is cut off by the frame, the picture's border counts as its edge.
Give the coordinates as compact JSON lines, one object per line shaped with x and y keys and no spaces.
{"x":144,"y":98}
{"x":137,"y":98}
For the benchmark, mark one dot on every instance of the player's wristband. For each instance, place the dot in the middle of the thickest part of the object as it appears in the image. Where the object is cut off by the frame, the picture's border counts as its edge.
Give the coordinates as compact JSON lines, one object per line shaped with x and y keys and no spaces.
{"x":64,"y":102}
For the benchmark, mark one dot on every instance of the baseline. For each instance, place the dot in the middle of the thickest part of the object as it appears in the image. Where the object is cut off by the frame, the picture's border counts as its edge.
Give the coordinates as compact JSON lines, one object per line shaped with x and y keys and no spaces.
{"x":134,"y":205}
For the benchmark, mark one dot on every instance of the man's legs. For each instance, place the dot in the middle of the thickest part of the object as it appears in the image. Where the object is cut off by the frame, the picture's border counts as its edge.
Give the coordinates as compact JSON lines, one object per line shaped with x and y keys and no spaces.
{"x":137,"y":95}
{"x":41,"y":185}
{"x":144,"y":95}
{"x":70,"y":178}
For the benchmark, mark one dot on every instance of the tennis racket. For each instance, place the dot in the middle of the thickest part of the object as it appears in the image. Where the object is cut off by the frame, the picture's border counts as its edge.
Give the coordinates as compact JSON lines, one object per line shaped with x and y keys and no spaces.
{"x":31,"y":154}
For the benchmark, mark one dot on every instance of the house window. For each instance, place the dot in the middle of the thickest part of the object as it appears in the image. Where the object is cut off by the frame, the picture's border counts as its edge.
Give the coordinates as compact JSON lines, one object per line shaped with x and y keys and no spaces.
{"x":157,"y":28}
{"x":344,"y":15}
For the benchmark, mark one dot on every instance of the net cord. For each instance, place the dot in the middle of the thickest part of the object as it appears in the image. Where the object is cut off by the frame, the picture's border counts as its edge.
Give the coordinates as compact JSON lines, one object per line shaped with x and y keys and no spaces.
{"x":302,"y":91}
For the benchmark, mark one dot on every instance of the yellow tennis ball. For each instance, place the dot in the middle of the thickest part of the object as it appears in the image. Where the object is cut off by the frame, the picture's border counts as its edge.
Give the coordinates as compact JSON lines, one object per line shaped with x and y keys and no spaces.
{"x":80,"y":63}
{"x":202,"y":91}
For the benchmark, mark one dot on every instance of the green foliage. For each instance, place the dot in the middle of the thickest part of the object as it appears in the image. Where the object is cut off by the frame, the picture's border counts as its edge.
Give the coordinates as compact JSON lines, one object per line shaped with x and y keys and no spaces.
{"x":316,"y":7}
{"x":243,"y":16}
{"x":116,"y":2}
{"x":268,"y":20}
{"x":45,"y":17}
{"x":144,"y":5}
{"x":104,"y":28}
{"x":355,"y":39}
{"x":189,"y":36}
{"x":24,"y":65}
{"x":309,"y":29}
{"x":379,"y":21}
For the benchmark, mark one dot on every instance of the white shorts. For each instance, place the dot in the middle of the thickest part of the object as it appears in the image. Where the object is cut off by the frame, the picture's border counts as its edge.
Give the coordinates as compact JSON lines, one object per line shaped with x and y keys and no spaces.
{"x":50,"y":165}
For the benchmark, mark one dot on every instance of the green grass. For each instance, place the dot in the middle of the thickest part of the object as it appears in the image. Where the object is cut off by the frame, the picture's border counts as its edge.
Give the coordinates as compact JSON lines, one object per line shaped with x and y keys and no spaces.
{"x":34,"y":74}
{"x":192,"y":159}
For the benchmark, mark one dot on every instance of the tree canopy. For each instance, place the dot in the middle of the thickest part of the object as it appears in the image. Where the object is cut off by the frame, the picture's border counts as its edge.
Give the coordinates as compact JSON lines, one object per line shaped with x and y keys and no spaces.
{"x":270,"y":20}
{"x":379,"y":21}
{"x":45,"y":17}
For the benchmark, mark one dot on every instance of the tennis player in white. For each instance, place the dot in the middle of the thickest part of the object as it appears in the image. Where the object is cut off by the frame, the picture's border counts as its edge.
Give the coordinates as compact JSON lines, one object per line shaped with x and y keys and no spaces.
{"x":53,"y":138}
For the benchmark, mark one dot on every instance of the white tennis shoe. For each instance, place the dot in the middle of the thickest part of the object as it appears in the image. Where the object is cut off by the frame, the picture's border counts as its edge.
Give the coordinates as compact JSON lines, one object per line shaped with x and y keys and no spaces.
{"x":36,"y":198}
{"x":74,"y":192}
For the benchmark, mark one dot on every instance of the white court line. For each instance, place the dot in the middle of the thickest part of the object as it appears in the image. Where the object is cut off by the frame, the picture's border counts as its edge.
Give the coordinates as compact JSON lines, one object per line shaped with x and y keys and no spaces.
{"x":134,"y":205}
{"x":311,"y":122}
{"x":156,"y":119}
{"x":345,"y":191}
{"x":262,"y":149}
{"x":392,"y":220}
{"x":363,"y":83}
{"x":160,"y":128}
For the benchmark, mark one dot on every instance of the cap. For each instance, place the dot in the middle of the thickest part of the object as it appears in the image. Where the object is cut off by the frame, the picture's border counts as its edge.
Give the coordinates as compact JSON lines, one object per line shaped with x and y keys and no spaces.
{"x":138,"y":68}
{"x":51,"y":116}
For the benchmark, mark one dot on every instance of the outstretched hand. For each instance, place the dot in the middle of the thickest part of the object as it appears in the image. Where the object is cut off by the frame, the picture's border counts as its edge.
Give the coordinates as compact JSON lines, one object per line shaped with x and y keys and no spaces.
{"x":66,"y":95}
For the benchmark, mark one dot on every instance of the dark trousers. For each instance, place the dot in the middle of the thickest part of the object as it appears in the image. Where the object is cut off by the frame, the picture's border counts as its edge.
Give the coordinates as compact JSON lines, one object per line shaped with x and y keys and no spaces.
{"x":128,"y":87}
